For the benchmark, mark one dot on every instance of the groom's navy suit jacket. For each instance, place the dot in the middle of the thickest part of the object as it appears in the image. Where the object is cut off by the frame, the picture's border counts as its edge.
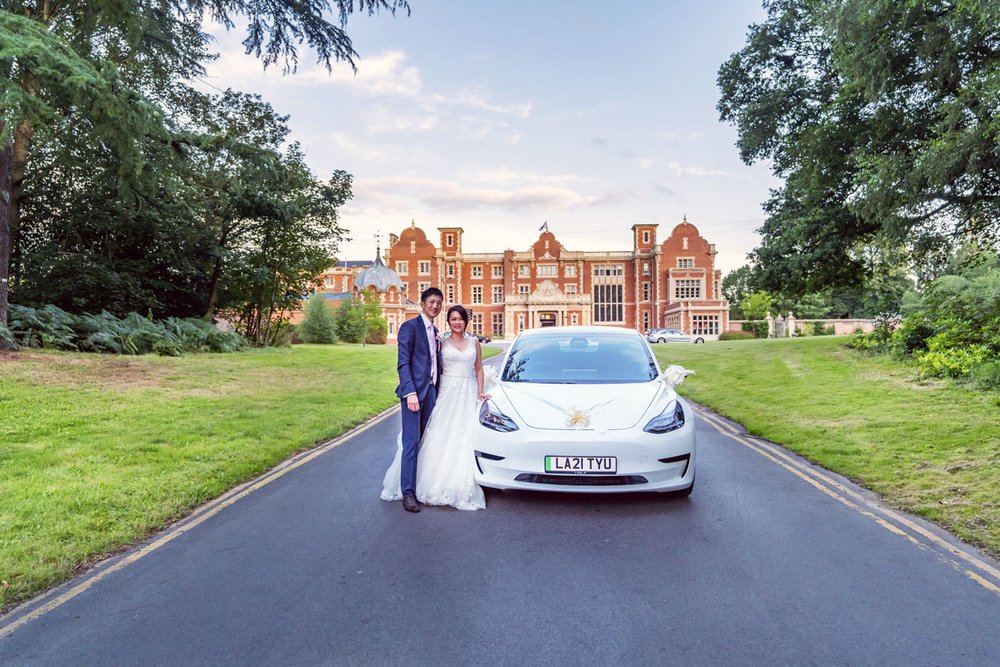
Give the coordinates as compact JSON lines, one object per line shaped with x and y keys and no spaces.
{"x":414,"y":359}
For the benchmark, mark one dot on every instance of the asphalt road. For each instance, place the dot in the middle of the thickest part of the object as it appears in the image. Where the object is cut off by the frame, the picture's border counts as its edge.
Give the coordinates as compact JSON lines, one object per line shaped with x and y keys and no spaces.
{"x":770,"y":561}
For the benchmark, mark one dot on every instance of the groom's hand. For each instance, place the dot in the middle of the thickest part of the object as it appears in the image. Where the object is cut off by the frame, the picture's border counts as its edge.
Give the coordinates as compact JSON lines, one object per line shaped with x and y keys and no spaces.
{"x":412,"y":403}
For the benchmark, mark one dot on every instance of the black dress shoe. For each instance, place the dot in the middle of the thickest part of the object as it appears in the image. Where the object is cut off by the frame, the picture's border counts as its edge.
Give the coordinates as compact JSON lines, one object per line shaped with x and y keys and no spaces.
{"x":410,"y":503}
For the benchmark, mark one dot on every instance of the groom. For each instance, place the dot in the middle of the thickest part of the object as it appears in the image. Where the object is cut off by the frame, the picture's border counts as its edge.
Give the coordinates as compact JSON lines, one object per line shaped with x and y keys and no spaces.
{"x":418,"y":368}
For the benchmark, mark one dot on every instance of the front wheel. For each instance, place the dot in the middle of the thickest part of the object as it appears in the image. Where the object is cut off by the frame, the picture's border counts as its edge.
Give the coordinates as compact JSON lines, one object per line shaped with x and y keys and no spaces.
{"x":661,"y":340}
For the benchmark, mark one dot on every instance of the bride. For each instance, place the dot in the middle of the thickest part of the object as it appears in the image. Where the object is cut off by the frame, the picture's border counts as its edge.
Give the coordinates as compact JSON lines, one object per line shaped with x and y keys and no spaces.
{"x":446,"y":459}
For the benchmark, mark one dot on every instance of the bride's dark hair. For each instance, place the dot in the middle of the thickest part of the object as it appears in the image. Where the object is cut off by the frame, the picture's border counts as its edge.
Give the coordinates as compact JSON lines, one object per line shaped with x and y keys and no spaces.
{"x":461,"y":311}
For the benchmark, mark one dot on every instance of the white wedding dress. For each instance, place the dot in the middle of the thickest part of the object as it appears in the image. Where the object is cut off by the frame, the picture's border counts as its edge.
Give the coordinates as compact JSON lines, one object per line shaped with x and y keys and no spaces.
{"x":446,"y":458}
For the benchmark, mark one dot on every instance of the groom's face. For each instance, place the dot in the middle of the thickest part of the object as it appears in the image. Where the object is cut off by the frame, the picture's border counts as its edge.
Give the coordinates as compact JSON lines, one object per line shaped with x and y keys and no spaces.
{"x":431,"y":306}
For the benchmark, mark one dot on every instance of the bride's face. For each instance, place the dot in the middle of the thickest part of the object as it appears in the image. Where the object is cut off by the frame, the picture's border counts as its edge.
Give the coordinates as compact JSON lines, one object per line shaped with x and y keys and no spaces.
{"x":456,"y":323}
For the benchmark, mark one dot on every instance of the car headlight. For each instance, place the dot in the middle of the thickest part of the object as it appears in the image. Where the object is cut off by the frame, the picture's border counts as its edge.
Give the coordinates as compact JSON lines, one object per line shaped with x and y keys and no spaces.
{"x":492,"y":418}
{"x":671,"y":419}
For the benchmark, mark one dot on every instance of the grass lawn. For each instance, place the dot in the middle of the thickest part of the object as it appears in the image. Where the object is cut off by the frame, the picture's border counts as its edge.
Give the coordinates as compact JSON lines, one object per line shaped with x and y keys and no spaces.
{"x":932,"y":449}
{"x":96,"y":451}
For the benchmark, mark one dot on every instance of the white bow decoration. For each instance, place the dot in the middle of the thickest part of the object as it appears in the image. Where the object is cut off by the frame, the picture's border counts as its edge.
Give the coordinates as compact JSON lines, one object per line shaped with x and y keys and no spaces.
{"x":674,"y":375}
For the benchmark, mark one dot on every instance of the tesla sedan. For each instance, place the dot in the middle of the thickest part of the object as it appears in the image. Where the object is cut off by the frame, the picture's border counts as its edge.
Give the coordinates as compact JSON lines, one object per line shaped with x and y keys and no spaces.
{"x":584,"y":409}
{"x":671,"y":336}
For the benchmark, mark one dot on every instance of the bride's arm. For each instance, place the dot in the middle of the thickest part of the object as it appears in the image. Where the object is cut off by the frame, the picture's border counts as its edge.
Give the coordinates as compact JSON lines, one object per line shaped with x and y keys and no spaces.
{"x":479,"y":371}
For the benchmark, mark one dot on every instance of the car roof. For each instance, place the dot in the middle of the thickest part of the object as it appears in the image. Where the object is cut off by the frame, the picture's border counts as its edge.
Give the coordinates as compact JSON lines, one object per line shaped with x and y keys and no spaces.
{"x":563,"y":331}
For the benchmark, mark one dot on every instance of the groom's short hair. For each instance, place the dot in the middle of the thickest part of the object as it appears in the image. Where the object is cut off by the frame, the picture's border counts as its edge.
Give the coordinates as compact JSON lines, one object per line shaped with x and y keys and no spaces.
{"x":429,"y":292}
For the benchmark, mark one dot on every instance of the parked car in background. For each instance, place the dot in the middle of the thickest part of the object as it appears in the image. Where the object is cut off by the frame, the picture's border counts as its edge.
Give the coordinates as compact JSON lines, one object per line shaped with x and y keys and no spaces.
{"x":483,"y":339}
{"x":671,"y":336}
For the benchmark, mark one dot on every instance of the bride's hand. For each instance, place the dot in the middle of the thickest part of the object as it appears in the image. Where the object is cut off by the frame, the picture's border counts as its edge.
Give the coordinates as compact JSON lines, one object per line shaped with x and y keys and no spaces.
{"x":483,"y":396}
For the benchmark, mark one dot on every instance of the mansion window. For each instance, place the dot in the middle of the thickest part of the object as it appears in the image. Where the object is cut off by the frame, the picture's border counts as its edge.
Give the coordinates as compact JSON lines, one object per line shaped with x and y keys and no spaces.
{"x":687,"y":289}
{"x":608,"y":270}
{"x":702,"y":325}
{"x":523,"y":289}
{"x":328,"y":282}
{"x":645,"y":321}
{"x":574,"y":319}
{"x":476,"y":323}
{"x":609,"y":293}
{"x":451,"y":270}
{"x":477,"y":271}
{"x":449,"y":240}
{"x":570,"y":271}
{"x":524,"y":271}
{"x":548,"y":270}
{"x":421,"y":287}
{"x":498,"y":294}
{"x":424,"y":268}
{"x":645,"y":293}
{"x":402,"y":268}
{"x":685,"y":262}
{"x":497,"y":271}
{"x":477,"y":295}
{"x":450,"y":294}
{"x":645,"y":268}
{"x":497,"y":324}
{"x":570,"y":289}
{"x":645,"y":236}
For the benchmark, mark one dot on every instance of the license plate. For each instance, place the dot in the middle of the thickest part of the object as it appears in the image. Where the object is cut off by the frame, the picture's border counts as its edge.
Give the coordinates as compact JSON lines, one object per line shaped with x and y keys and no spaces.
{"x":582,"y":465}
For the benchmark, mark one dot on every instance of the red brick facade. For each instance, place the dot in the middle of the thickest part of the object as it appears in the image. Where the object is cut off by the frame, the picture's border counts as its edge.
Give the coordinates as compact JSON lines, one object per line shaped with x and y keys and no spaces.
{"x":670,"y":284}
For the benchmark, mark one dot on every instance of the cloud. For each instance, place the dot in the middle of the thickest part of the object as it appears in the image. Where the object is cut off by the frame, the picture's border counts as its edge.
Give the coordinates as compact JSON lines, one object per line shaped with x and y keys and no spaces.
{"x":677,"y":135}
{"x":506,"y":175}
{"x":694,"y":170}
{"x":406,"y":194}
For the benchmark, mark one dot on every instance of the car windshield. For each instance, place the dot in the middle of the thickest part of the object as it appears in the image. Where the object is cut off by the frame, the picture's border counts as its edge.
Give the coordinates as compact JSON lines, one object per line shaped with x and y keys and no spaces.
{"x":578,"y":358}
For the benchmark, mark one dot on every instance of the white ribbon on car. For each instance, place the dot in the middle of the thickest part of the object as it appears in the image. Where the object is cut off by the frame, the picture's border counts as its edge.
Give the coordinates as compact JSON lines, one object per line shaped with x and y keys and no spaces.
{"x":577,"y":417}
{"x":674,"y":375}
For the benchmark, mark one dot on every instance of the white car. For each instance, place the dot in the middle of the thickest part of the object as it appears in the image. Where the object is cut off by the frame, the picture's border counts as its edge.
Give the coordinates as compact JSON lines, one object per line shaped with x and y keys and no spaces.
{"x":671,"y":336}
{"x":584,"y":409}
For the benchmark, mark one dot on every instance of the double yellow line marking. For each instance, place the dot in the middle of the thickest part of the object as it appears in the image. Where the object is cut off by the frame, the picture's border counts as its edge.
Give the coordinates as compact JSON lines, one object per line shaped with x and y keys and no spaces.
{"x":43,"y":605}
{"x":982,"y":572}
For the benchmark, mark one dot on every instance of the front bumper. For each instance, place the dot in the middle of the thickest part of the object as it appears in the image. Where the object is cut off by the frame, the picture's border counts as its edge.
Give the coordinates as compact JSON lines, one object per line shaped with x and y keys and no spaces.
{"x":645,"y":461}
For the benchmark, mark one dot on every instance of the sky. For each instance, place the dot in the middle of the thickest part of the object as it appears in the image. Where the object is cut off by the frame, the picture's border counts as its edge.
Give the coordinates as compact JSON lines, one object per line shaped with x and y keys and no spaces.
{"x":499,"y":116}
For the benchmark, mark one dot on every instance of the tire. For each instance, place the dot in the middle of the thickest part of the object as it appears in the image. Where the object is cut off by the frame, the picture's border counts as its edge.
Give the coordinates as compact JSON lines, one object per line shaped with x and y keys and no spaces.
{"x":699,"y":340}
{"x":661,"y":340}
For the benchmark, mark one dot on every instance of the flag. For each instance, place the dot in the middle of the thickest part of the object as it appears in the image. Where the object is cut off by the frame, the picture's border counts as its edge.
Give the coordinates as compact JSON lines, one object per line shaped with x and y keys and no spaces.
{"x":544,"y":227}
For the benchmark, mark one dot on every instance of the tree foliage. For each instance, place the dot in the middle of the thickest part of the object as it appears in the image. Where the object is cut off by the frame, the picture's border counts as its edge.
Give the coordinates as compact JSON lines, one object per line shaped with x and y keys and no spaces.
{"x":883,"y":119}
{"x":318,"y":324}
{"x":130,"y":189}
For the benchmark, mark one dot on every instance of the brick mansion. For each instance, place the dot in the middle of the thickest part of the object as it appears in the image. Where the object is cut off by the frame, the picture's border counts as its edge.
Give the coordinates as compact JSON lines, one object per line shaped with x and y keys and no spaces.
{"x":670,"y":283}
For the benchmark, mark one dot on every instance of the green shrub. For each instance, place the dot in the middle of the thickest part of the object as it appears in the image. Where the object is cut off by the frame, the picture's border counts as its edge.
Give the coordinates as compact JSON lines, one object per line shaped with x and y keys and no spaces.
{"x":169,"y":348}
{"x":942,"y":359}
{"x":986,"y":375}
{"x":736,"y":335}
{"x":818,"y":328}
{"x":52,"y":327}
{"x":7,"y":339}
{"x":48,"y":326}
{"x":318,"y":324}
{"x":757,"y":327}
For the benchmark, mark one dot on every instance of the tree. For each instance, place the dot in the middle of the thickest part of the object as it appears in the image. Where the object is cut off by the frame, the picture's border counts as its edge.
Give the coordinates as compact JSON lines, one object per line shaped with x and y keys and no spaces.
{"x":106,"y":60}
{"x":757,"y":306}
{"x":318,"y":324}
{"x":351,"y":325}
{"x":881,"y":116}
{"x":735,"y":284}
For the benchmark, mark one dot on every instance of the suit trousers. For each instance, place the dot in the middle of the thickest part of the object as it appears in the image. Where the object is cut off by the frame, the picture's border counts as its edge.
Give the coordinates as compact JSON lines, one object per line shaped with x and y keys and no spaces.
{"x":414,"y":424}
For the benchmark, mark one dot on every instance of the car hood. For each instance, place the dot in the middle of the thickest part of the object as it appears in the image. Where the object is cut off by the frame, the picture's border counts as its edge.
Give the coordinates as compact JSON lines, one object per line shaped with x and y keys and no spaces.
{"x":601,"y":407}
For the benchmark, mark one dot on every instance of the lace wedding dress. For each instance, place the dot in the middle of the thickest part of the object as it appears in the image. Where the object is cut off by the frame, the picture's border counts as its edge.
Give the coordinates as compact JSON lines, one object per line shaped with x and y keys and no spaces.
{"x":445,"y":461}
